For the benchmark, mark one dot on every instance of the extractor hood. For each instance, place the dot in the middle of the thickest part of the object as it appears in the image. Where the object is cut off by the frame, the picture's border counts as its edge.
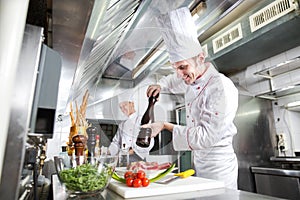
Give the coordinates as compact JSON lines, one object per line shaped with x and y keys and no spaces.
{"x":122,"y":45}
{"x":120,"y":38}
{"x":270,"y":28}
{"x":126,"y":46}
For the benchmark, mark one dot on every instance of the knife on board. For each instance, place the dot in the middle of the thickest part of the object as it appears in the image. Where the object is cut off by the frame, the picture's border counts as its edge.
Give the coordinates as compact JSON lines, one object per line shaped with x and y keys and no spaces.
{"x":172,"y":177}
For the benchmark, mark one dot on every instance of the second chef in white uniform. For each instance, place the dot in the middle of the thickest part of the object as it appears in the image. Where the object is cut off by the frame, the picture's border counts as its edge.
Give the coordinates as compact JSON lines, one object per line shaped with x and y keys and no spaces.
{"x":128,"y":130}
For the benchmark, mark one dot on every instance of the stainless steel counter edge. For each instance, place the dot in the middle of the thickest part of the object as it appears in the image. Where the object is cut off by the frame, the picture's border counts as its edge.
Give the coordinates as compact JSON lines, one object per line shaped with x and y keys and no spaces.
{"x":276,"y":171}
{"x":292,"y":159}
{"x":212,"y":194}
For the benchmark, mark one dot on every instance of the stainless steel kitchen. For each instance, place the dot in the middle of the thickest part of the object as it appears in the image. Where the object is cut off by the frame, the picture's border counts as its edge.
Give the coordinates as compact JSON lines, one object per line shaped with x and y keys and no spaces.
{"x":150,"y":99}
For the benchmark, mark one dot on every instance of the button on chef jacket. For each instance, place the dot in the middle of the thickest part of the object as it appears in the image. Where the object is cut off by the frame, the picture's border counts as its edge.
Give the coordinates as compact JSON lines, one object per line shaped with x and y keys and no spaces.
{"x":211,"y":104}
{"x":127,"y":134}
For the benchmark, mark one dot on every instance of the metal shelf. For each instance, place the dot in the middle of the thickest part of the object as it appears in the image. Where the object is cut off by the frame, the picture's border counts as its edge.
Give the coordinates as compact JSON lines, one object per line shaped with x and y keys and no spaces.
{"x":279,"y":69}
{"x":276,"y":70}
{"x":283,"y":92}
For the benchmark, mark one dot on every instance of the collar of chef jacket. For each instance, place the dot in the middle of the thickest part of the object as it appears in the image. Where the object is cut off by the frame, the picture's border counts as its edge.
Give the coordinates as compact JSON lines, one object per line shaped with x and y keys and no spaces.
{"x":201,"y":82}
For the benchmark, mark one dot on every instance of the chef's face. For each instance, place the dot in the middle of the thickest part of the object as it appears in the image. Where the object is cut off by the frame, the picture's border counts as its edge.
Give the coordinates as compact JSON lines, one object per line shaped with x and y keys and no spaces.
{"x":189,"y":70}
{"x":127,"y":107}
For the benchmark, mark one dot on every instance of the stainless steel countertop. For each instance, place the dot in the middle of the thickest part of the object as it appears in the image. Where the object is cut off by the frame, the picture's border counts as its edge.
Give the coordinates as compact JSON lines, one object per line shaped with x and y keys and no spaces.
{"x":212,"y":194}
{"x":276,"y":171}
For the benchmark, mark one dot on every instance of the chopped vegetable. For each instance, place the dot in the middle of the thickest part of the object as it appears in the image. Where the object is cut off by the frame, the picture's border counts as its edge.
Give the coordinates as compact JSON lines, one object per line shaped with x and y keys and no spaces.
{"x":84,"y":178}
{"x":130,"y":177}
{"x":163,"y":174}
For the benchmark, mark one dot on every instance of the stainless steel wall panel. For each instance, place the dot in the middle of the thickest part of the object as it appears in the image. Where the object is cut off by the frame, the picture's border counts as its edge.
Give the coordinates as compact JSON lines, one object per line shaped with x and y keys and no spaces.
{"x":20,"y":112}
{"x":255,"y":141}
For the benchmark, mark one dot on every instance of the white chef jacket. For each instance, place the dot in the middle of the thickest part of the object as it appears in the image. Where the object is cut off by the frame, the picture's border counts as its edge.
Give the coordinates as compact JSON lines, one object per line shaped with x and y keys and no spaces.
{"x":211,"y":104}
{"x":126,"y":136}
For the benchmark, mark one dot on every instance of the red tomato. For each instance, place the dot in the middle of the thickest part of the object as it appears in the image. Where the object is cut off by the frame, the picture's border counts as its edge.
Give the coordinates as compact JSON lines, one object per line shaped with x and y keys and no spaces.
{"x":137,"y":183}
{"x":145,"y":182}
{"x":128,"y":174}
{"x":134,"y":175}
{"x":141,"y":174}
{"x":129,"y":182}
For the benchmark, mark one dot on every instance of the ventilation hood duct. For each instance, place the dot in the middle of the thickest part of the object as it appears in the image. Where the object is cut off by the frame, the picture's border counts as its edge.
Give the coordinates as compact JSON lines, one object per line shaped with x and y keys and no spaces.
{"x":122,"y":45}
{"x":270,"y":28}
{"x":120,"y":36}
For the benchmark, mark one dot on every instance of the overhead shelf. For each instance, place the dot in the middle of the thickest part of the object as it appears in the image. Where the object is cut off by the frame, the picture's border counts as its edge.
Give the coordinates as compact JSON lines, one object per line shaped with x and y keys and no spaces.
{"x":276,"y":70}
{"x":281,"y":68}
{"x":283,"y":92}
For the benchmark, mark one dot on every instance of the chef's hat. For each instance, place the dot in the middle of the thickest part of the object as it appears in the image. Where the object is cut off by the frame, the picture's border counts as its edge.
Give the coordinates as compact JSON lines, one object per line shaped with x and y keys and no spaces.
{"x":180,"y":34}
{"x":127,"y":95}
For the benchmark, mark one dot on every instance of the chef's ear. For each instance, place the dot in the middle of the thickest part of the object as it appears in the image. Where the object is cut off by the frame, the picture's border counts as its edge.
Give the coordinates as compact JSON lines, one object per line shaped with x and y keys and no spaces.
{"x":201,"y":57}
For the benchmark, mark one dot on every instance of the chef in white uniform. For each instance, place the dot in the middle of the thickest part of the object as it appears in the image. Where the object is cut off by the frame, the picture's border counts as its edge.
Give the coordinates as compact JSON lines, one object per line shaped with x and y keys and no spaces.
{"x":211,"y":101}
{"x":128,"y":130}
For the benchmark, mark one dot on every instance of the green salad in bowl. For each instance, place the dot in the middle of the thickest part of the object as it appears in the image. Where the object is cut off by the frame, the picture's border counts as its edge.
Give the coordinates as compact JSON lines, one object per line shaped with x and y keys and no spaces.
{"x":91,"y":175}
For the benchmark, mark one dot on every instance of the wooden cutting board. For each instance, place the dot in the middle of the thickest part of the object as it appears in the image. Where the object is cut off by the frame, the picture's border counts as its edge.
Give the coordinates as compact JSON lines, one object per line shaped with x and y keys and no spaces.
{"x":180,"y":185}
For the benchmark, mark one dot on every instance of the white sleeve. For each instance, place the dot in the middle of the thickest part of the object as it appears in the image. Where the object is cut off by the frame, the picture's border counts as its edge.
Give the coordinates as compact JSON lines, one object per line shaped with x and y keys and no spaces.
{"x":172,"y":83}
{"x":115,"y":145}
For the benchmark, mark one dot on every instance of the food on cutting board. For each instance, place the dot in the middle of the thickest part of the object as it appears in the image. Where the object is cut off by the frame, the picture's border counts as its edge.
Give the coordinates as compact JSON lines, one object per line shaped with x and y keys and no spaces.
{"x":130,"y":177}
{"x":148,"y":165}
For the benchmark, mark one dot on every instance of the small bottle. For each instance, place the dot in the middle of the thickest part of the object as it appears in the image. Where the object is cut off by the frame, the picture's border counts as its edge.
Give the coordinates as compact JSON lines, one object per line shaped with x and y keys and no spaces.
{"x":64,"y":155}
{"x":123,"y":156}
{"x":97,"y":146}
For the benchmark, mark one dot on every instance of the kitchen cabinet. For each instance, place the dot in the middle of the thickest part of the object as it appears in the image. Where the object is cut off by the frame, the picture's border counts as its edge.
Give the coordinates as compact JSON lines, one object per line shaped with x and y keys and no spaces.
{"x":277,"y":182}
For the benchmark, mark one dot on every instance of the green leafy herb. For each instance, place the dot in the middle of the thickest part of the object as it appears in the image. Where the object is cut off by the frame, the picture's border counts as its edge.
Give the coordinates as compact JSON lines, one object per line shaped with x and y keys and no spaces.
{"x":84,"y":178}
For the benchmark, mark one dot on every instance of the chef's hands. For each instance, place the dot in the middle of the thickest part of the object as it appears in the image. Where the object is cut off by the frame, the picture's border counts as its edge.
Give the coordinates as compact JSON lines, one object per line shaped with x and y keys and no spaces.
{"x":153,"y":90}
{"x":131,"y":151}
{"x":156,"y":128}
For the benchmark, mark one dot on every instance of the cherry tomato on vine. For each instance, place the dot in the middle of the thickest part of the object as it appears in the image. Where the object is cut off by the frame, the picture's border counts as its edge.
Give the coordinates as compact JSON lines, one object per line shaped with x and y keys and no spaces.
{"x":128,"y":174}
{"x":145,"y":182}
{"x":141,"y":174}
{"x":129,"y":182}
{"x":137,"y":183}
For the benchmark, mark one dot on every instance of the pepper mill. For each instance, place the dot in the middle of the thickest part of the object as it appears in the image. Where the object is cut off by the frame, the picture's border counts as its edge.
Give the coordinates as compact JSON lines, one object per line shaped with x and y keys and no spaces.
{"x":149,"y":113}
{"x":144,"y":137}
{"x":79,"y":144}
{"x":91,"y":142}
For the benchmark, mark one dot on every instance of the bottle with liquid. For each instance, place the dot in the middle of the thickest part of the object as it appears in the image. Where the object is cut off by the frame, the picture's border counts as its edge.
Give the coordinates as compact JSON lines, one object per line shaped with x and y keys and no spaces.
{"x":144,"y":137}
{"x":97,"y":146}
{"x":123,"y":156}
{"x":64,"y":155}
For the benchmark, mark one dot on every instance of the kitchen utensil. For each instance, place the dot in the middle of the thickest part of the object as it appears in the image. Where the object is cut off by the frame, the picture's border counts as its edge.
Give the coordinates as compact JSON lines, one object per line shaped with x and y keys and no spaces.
{"x":144,"y":137}
{"x":172,"y":177}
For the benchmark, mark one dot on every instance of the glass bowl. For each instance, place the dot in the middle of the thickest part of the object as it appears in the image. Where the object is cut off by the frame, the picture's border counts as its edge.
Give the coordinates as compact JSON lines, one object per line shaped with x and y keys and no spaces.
{"x":80,"y":176}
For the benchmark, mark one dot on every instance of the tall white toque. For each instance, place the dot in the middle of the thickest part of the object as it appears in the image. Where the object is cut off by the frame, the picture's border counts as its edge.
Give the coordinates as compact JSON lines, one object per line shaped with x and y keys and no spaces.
{"x":180,"y":34}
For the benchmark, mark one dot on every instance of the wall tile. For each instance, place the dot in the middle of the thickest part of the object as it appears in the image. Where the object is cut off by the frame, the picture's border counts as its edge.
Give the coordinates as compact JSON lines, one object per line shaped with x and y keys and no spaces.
{"x":293,"y":53}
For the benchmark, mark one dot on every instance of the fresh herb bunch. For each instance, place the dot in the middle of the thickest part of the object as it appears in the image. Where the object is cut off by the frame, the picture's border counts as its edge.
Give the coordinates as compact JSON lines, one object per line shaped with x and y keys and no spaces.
{"x":84,"y":178}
